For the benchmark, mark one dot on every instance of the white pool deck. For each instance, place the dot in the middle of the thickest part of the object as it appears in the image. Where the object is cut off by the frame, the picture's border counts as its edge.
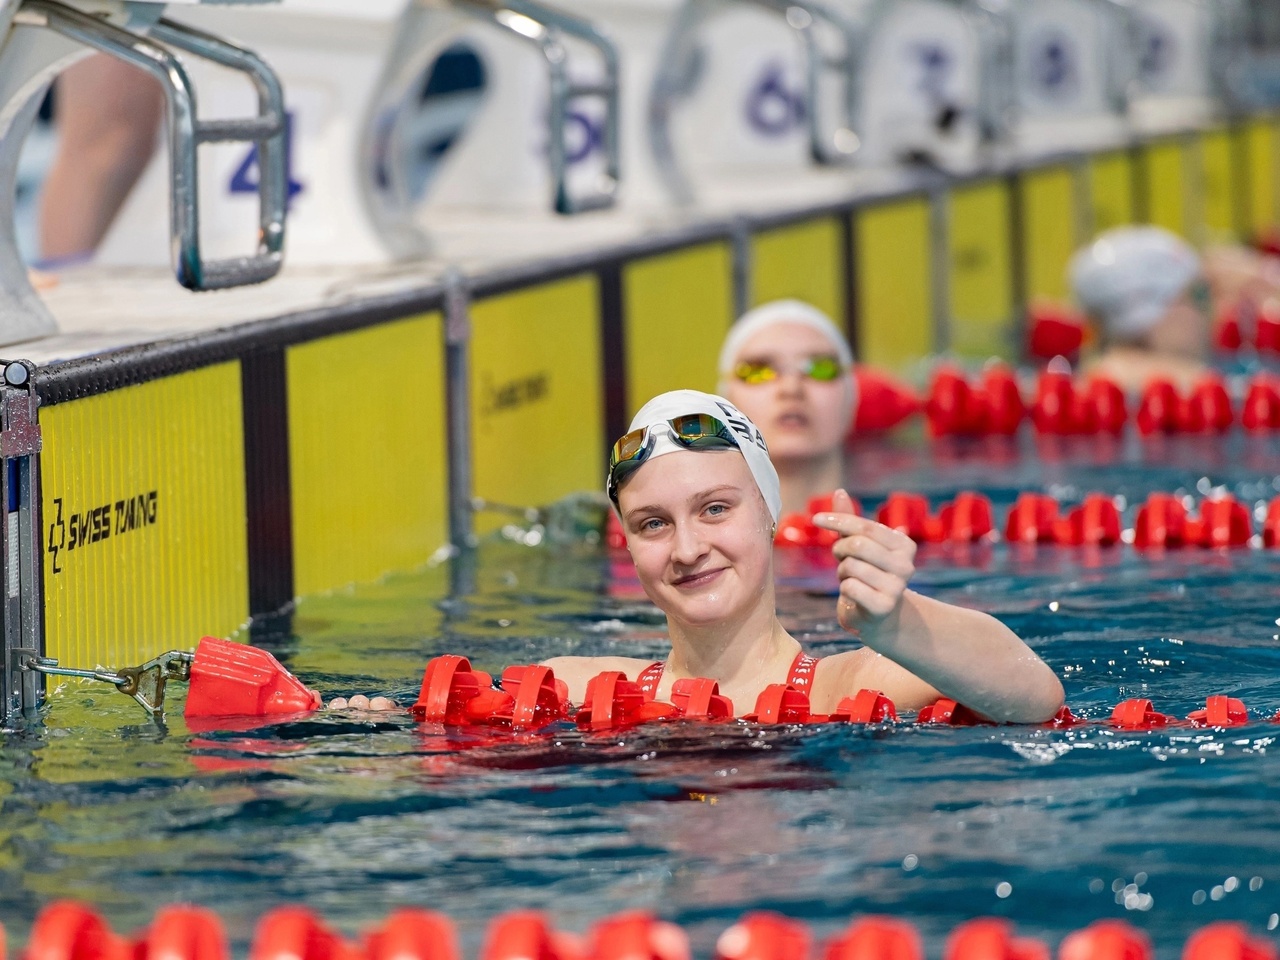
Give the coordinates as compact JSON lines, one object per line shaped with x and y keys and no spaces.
{"x":100,"y":309}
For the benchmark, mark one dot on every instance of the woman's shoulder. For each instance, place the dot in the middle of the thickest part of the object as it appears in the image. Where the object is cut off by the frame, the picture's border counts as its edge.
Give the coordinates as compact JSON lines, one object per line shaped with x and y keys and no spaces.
{"x":597,"y":664}
{"x":576,"y":671}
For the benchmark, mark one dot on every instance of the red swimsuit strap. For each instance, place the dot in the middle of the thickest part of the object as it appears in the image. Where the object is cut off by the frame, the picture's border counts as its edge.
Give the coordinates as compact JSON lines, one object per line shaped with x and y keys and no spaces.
{"x":803,"y":669}
{"x":649,"y":679}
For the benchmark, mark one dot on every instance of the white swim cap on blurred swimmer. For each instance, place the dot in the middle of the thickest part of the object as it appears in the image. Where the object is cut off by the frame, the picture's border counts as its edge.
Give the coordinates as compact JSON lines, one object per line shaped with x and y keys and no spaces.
{"x":679,"y":403}
{"x":780,"y":311}
{"x":1128,"y":277}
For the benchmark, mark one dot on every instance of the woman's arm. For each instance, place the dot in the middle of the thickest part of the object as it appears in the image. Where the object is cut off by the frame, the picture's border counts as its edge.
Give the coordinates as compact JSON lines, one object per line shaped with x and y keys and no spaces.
{"x":966,"y":655}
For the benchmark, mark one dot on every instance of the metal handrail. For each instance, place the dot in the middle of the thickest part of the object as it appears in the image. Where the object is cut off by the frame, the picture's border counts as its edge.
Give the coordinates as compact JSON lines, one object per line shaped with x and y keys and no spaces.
{"x":544,"y":26}
{"x":825,"y":147}
{"x":186,"y":131}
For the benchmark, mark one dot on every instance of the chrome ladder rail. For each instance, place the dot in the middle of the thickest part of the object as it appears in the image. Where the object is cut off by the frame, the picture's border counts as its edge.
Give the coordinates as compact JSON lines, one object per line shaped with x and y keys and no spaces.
{"x":186,"y":132}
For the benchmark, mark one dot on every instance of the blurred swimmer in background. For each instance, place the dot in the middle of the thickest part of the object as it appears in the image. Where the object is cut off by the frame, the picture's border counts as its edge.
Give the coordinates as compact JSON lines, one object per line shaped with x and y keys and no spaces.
{"x":790,"y":370}
{"x":108,"y":114}
{"x":1146,"y":290}
{"x":699,"y":500}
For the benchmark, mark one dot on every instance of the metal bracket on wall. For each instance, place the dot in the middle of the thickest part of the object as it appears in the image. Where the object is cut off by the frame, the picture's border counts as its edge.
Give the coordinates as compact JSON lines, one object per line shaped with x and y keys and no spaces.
{"x":20,"y":554}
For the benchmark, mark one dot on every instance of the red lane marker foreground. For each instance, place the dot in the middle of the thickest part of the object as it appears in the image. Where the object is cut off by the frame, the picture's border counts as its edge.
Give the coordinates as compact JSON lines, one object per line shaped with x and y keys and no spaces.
{"x":74,"y":931}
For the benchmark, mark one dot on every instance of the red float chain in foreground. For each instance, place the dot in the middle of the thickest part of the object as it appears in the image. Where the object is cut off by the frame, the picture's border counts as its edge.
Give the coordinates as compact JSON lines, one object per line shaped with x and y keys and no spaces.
{"x":453,"y":694}
{"x":532,"y":698}
{"x":1163,"y":520}
{"x":74,"y":931}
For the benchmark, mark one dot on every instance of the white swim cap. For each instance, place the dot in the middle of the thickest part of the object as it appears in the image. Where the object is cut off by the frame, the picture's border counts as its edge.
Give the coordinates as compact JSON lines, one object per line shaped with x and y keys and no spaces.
{"x":678,"y":403}
{"x":1128,"y":277}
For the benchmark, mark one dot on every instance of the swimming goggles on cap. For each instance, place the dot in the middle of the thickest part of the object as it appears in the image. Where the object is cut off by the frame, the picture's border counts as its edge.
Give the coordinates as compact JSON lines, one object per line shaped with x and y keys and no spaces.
{"x":824,"y":369}
{"x":694,"y":431}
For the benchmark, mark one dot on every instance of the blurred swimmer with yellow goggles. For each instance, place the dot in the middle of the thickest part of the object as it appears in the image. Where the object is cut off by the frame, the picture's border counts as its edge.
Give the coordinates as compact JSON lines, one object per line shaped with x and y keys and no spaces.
{"x":789,"y":369}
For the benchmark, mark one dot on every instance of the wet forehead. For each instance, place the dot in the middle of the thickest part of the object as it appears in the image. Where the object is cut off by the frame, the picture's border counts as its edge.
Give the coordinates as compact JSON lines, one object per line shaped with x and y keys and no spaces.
{"x":675,"y":479}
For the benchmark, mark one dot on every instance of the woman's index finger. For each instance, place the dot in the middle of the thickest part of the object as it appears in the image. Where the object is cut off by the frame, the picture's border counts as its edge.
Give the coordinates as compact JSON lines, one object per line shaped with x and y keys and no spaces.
{"x":848,"y":525}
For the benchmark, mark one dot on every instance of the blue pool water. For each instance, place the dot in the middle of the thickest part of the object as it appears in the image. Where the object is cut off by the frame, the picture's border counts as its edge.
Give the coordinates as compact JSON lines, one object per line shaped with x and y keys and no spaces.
{"x":353,"y":815}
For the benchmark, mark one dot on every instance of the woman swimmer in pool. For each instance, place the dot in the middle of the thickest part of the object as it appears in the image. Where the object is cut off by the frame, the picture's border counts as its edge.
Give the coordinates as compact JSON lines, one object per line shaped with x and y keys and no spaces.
{"x":699,"y":498}
{"x":1148,"y":291}
{"x":787,"y":367}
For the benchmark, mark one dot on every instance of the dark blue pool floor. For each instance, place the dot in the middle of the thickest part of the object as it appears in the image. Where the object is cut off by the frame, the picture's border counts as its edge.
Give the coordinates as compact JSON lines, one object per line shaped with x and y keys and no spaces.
{"x":1052,"y":828}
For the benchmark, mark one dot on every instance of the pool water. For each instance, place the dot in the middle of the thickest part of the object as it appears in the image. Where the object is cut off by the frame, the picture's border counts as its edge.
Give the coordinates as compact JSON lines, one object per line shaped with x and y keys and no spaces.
{"x":353,"y":815}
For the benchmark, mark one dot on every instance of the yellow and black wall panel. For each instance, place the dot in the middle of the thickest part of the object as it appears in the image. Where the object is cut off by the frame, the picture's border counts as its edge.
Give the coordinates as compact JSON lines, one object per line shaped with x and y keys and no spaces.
{"x":893,"y":281}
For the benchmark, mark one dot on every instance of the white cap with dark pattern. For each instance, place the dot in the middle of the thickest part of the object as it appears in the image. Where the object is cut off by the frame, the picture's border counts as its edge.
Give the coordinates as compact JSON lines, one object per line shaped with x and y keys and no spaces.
{"x":679,"y":403}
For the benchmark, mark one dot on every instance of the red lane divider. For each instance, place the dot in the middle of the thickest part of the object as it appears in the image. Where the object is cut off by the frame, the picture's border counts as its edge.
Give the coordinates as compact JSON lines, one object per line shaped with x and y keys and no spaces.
{"x":1062,"y":406}
{"x":525,"y":935}
{"x":876,"y":938}
{"x":412,"y":934}
{"x":1106,"y":940}
{"x":75,"y":931}
{"x":992,"y":406}
{"x":183,"y":931}
{"x":230,"y":679}
{"x":883,"y":402}
{"x":1227,"y":941}
{"x":764,"y":936}
{"x":453,"y":693}
{"x":295,"y":933}
{"x":1138,"y":715}
{"x":1162,"y":521}
{"x":1220,"y":711}
{"x":531,"y":698}
{"x":799,"y":530}
{"x":613,"y":702}
{"x":1054,"y":330}
{"x":990,"y":938}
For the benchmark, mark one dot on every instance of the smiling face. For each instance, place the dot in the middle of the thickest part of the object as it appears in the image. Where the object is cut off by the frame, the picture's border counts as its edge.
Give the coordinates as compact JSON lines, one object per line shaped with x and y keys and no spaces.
{"x":700,"y":535}
{"x":801,"y":418}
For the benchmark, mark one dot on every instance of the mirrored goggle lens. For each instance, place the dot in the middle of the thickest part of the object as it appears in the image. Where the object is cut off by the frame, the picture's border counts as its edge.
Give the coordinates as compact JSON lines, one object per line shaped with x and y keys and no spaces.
{"x":755,"y":372}
{"x":627,"y":448}
{"x":694,"y":428}
{"x":823,"y":369}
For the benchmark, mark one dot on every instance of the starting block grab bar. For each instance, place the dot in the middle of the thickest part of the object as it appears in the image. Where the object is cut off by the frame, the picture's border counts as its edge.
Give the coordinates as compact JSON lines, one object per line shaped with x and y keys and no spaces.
{"x":826,"y":146}
{"x":544,"y":26}
{"x":186,"y":132}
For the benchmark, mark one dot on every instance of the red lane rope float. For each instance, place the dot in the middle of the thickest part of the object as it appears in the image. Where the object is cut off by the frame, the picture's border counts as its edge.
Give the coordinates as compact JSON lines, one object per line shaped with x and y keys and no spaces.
{"x":412,"y":934}
{"x":989,"y":938}
{"x":295,"y":933}
{"x":1062,"y":406}
{"x":613,"y":702}
{"x":883,"y":402}
{"x":237,"y":679}
{"x":532,"y":698}
{"x":1227,"y":941}
{"x":1162,"y":521}
{"x":74,"y":931}
{"x":1106,"y":940}
{"x":1054,"y":330}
